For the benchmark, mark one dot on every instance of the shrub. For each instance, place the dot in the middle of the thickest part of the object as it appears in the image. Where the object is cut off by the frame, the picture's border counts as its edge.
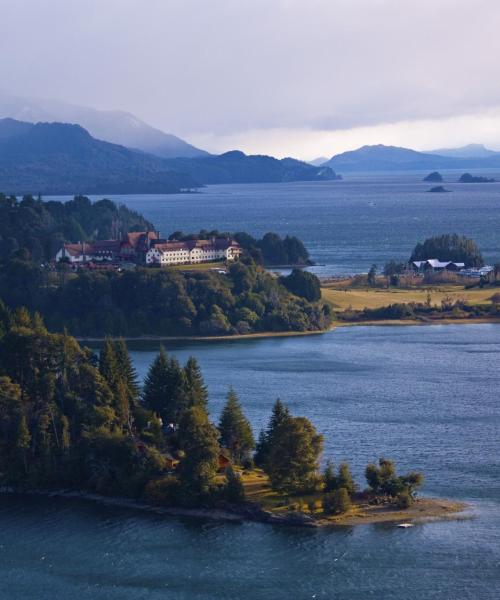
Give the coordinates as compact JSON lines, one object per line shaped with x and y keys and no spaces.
{"x":337,"y":502}
{"x":404,"y":500}
{"x":163,"y":492}
{"x":234,"y":491}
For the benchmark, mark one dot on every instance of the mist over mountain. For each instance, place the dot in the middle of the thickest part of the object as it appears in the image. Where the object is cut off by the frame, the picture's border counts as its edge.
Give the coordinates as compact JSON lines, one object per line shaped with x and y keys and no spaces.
{"x":57,"y":158}
{"x":318,"y":161}
{"x":468,"y":151}
{"x":114,"y":126}
{"x":393,"y":158}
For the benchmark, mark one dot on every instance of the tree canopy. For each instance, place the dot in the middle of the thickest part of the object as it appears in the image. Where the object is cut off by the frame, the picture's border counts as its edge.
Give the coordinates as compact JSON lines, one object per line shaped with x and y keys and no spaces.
{"x":449,"y":247}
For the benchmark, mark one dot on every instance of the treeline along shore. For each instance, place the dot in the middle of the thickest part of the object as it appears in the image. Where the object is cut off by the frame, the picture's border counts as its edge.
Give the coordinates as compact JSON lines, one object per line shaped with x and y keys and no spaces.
{"x":76,"y":424}
{"x":234,"y":299}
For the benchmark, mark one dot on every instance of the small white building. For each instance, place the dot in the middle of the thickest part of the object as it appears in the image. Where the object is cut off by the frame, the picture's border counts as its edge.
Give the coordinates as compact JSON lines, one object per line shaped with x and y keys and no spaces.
{"x":192,"y":252}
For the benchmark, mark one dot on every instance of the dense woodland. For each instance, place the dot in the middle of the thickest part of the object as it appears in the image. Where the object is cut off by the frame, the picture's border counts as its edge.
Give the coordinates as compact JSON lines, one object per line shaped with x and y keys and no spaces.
{"x":40,"y":227}
{"x":271,"y":249}
{"x":161,"y":302}
{"x":71,"y":419}
{"x":146,"y":301}
{"x":451,"y":247}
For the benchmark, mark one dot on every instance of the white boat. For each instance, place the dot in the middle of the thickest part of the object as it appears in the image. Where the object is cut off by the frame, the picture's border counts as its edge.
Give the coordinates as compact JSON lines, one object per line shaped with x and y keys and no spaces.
{"x":405,"y":525}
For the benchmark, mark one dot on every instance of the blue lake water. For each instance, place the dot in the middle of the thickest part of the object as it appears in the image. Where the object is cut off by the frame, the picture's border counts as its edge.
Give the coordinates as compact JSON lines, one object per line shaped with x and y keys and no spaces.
{"x":425,"y":396}
{"x":346,"y":225}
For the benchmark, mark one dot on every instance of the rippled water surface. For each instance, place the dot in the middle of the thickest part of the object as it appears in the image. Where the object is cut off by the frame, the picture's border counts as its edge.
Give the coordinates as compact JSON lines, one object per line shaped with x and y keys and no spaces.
{"x":426,"y":396}
{"x":346,"y":225}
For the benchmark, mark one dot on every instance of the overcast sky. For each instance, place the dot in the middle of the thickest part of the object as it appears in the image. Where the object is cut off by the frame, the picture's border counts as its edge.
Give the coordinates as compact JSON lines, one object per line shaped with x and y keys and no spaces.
{"x":286,"y":77}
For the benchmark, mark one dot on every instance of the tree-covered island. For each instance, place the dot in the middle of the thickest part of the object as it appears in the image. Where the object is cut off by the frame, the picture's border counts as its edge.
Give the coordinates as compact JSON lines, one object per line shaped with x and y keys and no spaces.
{"x":71,"y":421}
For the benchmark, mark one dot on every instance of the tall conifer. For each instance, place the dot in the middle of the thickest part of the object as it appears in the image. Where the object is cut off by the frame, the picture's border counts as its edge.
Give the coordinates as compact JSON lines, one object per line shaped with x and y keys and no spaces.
{"x":235,"y":430}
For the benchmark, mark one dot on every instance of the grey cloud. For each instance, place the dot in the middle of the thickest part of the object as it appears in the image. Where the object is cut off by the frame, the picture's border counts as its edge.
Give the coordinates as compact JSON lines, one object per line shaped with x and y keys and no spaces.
{"x":228,"y":66}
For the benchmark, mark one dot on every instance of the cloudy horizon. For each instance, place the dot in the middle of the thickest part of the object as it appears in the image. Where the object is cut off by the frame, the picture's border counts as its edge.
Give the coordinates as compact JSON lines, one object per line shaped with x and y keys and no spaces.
{"x":280,"y":77}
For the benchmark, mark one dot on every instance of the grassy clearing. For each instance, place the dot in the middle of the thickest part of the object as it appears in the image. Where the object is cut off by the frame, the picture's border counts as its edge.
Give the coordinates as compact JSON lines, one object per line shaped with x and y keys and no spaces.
{"x":359,"y":298}
{"x":258,"y":490}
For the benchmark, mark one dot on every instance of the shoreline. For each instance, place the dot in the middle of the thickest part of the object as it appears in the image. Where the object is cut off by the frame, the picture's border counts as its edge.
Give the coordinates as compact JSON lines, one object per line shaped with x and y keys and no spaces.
{"x":423,"y":510}
{"x":418,"y":323}
{"x":277,"y":334}
{"x":204,"y":338}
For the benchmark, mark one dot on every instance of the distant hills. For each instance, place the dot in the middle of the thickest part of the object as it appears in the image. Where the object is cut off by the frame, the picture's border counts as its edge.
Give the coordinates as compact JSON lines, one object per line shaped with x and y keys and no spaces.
{"x":393,"y":158}
{"x":237,"y":167}
{"x":57,"y":158}
{"x":113,"y":126}
{"x":469,"y":151}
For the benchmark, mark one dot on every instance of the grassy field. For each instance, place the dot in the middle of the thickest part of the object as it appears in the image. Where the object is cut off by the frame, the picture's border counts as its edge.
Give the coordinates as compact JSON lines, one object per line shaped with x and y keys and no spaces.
{"x":359,"y":298}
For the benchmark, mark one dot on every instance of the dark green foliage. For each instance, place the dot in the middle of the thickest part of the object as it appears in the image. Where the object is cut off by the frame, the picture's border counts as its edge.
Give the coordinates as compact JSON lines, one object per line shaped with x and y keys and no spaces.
{"x":383,"y":479}
{"x":40,"y":227}
{"x":329,"y":477}
{"x":280,"y":415}
{"x":345,"y":479}
{"x":293,"y":454}
{"x":197,"y":394}
{"x":337,"y":502}
{"x":273,"y":249}
{"x":140,"y":302}
{"x":162,"y":302}
{"x":198,"y":468}
{"x":451,"y":247}
{"x":165,"y":390}
{"x":303,"y":284}
{"x":126,"y":371}
{"x":235,"y":430}
{"x":61,"y":422}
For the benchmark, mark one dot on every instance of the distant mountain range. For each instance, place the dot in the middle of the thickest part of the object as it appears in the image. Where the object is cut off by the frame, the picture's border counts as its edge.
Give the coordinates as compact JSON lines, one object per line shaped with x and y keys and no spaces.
{"x":113,"y":126}
{"x":57,"y":158}
{"x":393,"y":158}
{"x":469,"y":151}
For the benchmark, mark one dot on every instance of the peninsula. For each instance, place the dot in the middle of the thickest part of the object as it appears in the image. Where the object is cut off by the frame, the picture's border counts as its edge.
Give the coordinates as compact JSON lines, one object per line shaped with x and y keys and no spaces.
{"x":77,"y":425}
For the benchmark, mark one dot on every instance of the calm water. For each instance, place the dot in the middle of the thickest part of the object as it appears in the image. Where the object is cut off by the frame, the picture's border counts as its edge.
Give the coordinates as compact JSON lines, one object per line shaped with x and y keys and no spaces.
{"x":346,"y":225}
{"x":426,"y":396}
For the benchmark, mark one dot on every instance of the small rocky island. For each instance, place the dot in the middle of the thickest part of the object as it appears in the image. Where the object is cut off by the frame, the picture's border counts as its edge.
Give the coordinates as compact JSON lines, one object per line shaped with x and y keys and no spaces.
{"x":438,"y":189}
{"x":434,"y":177}
{"x":468,"y":178}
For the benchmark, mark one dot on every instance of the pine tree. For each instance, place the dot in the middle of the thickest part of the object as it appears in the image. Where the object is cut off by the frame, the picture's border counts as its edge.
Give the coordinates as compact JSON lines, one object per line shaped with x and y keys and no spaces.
{"x":198,"y":468}
{"x":294,"y":451}
{"x":329,"y":478}
{"x":235,"y":430}
{"x":165,"y":389}
{"x":178,"y":400}
{"x":108,"y":364}
{"x":126,"y":371}
{"x":196,"y":390}
{"x":155,"y":391}
{"x":280,"y":415}
{"x":345,"y":479}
